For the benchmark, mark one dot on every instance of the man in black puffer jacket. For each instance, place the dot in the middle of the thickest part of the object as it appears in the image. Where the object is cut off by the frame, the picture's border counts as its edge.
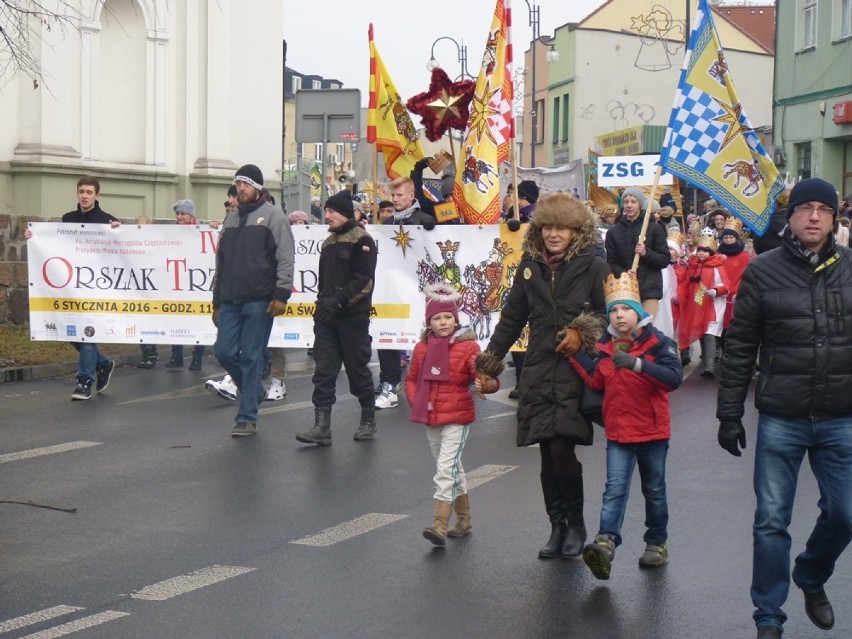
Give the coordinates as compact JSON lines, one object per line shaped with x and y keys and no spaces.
{"x":794,"y":308}
{"x":622,"y":244}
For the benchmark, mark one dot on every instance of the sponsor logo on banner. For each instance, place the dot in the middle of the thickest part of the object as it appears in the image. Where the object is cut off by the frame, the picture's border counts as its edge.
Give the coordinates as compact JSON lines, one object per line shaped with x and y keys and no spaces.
{"x":386,"y":333}
{"x":179,"y":332}
{"x":89,"y":331}
{"x":154,"y":333}
{"x":71,"y":330}
{"x":385,"y":340}
{"x":130,"y":331}
{"x":291,"y":336}
{"x":402,"y":340}
{"x":50,"y":326}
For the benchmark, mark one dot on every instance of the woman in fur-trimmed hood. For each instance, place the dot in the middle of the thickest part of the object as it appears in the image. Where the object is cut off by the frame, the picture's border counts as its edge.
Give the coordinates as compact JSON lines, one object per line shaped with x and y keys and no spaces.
{"x":558,"y":290}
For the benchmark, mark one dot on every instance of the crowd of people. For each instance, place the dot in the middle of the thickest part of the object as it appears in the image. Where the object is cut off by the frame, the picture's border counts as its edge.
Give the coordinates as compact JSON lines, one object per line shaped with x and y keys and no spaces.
{"x":609,"y":302}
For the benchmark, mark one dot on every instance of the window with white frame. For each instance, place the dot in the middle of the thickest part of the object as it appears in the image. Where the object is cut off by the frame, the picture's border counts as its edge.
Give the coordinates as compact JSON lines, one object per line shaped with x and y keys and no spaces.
{"x":809,"y":15}
{"x":339,"y":151}
{"x":845,"y":18}
{"x":297,"y":83}
{"x":803,"y":160}
{"x":317,"y":84}
{"x":318,"y":152}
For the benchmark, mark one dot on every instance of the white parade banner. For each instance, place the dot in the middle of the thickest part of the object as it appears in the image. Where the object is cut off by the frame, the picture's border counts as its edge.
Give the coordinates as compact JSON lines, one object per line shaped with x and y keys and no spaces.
{"x":152,"y":283}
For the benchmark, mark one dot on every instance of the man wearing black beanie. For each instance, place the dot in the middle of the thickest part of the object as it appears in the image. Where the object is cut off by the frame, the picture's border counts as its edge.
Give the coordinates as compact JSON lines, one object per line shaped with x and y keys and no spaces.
{"x":346,"y":280}
{"x":253,"y":281}
{"x":794,"y":315}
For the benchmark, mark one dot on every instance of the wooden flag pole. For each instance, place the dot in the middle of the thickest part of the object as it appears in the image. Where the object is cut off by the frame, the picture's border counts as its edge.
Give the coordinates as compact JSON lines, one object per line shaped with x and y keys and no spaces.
{"x":376,"y":185}
{"x":648,"y":215}
{"x":515,"y":207}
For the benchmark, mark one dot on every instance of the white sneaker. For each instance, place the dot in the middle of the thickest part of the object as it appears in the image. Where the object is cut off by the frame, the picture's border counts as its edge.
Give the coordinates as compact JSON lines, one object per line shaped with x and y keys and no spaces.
{"x":277,"y":391}
{"x":387,"y":398}
{"x":226,"y":389}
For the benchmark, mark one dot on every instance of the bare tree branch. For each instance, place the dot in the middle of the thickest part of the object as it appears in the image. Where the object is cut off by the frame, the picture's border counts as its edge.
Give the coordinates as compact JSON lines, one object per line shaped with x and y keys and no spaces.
{"x":23,"y":26}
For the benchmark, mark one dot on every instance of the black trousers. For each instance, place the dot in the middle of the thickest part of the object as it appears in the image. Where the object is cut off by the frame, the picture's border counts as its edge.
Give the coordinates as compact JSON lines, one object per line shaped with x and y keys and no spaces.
{"x":390,"y":370}
{"x":344,"y":340}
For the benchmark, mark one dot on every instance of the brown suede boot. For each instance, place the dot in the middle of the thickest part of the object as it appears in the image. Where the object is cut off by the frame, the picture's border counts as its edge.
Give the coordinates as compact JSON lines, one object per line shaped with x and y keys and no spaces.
{"x":437,"y":533}
{"x":463,"y":524}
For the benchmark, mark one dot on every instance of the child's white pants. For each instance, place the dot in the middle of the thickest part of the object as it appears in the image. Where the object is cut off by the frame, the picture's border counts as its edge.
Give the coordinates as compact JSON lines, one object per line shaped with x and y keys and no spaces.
{"x":447,"y":443}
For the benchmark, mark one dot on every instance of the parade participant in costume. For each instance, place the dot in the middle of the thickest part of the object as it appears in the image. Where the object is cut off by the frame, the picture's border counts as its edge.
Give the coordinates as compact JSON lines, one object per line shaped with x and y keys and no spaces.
{"x":736,"y":260}
{"x":701,"y":296}
{"x":639,"y":366}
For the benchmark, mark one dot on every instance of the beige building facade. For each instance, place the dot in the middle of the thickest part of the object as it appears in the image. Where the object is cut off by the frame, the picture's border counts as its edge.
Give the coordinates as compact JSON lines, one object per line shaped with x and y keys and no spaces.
{"x":158,"y":99}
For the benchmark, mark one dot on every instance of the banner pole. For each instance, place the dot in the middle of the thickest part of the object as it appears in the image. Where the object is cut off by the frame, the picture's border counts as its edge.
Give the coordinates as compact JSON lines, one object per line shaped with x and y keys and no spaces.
{"x":648,"y":214}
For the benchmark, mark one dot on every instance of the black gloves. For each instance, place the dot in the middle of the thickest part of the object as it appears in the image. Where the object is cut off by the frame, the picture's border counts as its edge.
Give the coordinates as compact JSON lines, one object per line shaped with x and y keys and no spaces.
{"x":623,"y":360}
{"x":326,"y":309}
{"x":429,"y":224}
{"x":420,"y":165}
{"x":731,"y":432}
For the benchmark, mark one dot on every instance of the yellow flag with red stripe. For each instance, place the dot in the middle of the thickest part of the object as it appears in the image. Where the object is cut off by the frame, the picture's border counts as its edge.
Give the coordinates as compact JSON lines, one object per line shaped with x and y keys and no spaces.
{"x":389,"y":125}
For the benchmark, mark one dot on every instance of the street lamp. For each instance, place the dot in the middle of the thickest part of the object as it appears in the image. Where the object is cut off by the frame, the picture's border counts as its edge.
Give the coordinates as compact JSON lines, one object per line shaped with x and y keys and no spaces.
{"x":552,"y":56}
{"x":462,"y":53}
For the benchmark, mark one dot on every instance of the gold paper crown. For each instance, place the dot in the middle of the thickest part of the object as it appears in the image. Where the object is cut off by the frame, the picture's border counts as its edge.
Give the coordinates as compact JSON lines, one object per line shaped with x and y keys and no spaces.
{"x":622,"y":289}
{"x":734,"y":224}
{"x":676,"y":235}
{"x":707,"y":239}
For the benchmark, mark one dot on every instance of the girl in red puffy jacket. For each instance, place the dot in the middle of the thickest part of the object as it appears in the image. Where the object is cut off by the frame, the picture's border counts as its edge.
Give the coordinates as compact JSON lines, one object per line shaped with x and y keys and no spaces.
{"x":443,"y":367}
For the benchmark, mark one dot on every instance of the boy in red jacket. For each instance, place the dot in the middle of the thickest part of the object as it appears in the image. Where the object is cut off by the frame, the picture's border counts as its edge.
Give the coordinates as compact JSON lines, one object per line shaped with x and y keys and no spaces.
{"x":438,"y":389}
{"x":637,"y":369}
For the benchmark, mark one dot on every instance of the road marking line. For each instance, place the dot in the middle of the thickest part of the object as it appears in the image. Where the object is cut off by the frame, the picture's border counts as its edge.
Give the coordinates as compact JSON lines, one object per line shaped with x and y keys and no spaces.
{"x":349,"y":529}
{"x":46,"y":450}
{"x":512,"y":413}
{"x":79,"y":624}
{"x":283,"y":408}
{"x":486,"y":473}
{"x":183,"y":584}
{"x":36,"y":617}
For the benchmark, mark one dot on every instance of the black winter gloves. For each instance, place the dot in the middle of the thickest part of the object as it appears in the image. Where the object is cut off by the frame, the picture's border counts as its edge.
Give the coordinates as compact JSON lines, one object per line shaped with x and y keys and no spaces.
{"x":326,"y":309}
{"x":731,"y":433}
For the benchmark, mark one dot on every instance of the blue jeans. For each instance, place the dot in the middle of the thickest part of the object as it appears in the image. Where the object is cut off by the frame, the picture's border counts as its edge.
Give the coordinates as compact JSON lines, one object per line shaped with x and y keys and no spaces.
{"x":781,"y":446}
{"x":243,"y":333}
{"x":89,"y":361}
{"x":621,"y":459}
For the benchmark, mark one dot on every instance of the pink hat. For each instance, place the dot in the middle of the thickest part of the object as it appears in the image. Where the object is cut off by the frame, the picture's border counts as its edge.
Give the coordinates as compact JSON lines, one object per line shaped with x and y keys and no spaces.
{"x":297,"y":216}
{"x":441,"y":298}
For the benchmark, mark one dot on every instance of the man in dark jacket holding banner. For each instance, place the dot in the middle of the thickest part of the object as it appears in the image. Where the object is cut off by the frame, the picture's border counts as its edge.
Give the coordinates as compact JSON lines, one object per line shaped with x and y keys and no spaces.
{"x":794,"y":312}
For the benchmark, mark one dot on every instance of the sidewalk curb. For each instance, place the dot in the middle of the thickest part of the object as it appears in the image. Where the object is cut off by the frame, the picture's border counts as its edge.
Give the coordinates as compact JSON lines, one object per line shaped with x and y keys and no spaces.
{"x":47,"y":371}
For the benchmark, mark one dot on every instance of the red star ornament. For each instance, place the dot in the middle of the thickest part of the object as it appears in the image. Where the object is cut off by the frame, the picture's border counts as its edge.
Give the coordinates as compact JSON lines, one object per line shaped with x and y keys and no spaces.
{"x":445,"y":106}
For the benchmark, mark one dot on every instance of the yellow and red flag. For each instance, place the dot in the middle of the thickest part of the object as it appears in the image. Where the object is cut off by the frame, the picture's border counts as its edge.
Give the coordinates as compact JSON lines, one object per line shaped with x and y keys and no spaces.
{"x":490,"y":127}
{"x":389,"y":125}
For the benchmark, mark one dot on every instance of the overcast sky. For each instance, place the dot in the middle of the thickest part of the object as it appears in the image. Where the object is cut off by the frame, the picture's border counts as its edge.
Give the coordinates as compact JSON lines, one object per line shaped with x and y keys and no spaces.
{"x":329,"y":37}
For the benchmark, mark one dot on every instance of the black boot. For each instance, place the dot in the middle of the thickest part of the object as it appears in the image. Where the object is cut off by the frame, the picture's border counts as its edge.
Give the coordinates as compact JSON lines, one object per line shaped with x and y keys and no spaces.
{"x":571,"y":487}
{"x":367,"y":427}
{"x":174,"y":362}
{"x":556,"y":511}
{"x":320,"y":434}
{"x":195,"y":364}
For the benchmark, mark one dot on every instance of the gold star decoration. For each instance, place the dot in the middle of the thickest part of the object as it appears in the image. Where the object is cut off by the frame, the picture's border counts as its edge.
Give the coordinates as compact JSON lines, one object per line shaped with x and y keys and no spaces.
{"x":480,"y":113}
{"x":445,"y":104}
{"x":731,"y":117}
{"x":402,"y":239}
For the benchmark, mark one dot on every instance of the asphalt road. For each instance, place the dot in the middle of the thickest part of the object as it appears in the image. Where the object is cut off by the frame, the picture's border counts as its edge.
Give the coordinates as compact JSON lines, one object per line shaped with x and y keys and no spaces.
{"x":178,"y":530}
